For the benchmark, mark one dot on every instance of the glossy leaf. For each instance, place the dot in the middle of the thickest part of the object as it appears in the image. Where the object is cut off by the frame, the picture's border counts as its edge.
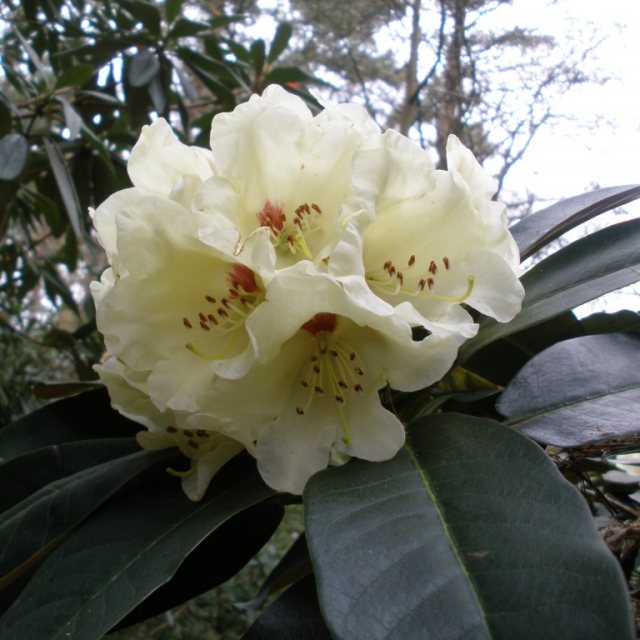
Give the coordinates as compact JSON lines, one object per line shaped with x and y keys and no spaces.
{"x":31,"y":527}
{"x":578,"y":391}
{"x":22,"y":476}
{"x":206,"y":567}
{"x":541,"y":228}
{"x":280,"y":41}
{"x":65,"y":421}
{"x":144,"y":66}
{"x":590,"y":267}
{"x":293,"y":616}
{"x":469,"y":532}
{"x":146,"y":535}
{"x":13,"y":155}
{"x":65,"y":184}
{"x":282,"y":75}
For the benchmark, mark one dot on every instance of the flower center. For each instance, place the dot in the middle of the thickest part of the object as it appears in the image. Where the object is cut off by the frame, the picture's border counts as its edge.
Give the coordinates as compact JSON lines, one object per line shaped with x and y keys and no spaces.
{"x":332,"y":372}
{"x":289,"y":234}
{"x":193,"y":443}
{"x":224,"y":315}
{"x":417,"y":278}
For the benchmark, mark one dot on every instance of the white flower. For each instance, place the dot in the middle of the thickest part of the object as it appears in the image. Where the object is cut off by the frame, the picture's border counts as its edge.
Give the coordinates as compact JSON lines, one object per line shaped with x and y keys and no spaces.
{"x":436,"y":238}
{"x":171,"y":305}
{"x":208,"y":450}
{"x":322,"y":360}
{"x":282,"y":169}
{"x":162,"y":165}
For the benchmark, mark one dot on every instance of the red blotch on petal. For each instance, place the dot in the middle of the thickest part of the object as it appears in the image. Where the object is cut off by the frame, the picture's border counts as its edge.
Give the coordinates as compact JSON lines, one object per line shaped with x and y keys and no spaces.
{"x":243,"y":276}
{"x":321,"y":322}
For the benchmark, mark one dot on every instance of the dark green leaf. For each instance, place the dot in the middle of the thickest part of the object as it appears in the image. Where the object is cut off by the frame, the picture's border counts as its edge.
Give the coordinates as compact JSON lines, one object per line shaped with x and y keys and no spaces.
{"x":75,"y":76}
{"x":146,"y":534}
{"x":65,"y":421}
{"x":146,"y":12}
{"x":590,"y":267}
{"x":185,"y":27}
{"x":97,"y":144}
{"x":578,"y":391}
{"x":143,"y":67}
{"x":6,"y":119}
{"x":258,"y":55}
{"x":283,"y":75}
{"x":469,"y":532}
{"x":602,"y":322}
{"x":31,"y":471}
{"x":295,"y":615}
{"x":280,"y":41}
{"x":539,"y":229}
{"x":34,"y":525}
{"x":172,"y":9}
{"x":13,"y":155}
{"x":205,"y":567}
{"x":65,"y":184}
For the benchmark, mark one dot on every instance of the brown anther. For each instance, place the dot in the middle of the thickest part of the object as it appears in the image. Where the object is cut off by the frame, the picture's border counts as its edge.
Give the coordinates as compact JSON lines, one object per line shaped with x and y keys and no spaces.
{"x":357,"y":387}
{"x":202,"y":317}
{"x":433,"y":268}
{"x":422,"y":284}
{"x":430,"y":283}
{"x":212,"y":318}
{"x":411,"y":262}
{"x":445,"y":262}
{"x":400,"y":277}
{"x":314,"y":358}
{"x":304,"y":383}
{"x":316,"y":208}
{"x":205,"y":326}
{"x":392,"y":270}
{"x":316,"y":368}
{"x":234,"y":293}
{"x":188,"y":433}
{"x":222,"y":312}
{"x":300,"y":411}
{"x":194,"y":444}
{"x":342,"y":384}
{"x":352,"y":355}
{"x":359,"y":371}
{"x":387,"y":265}
{"x":225,"y":302}
{"x":334,"y":353}
{"x":210,"y":299}
{"x":171,"y":429}
{"x":186,"y":323}
{"x":339,"y":398}
{"x":319,"y":389}
{"x":201,"y":433}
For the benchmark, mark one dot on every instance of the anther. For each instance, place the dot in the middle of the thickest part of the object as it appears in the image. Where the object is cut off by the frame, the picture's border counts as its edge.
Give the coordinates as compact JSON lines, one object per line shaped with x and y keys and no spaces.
{"x":352,"y":355}
{"x":194,"y":444}
{"x":433,"y":268}
{"x":319,"y":389}
{"x":400,"y":277}
{"x":188,"y":433}
{"x":430,"y":283}
{"x":202,"y":317}
{"x":357,"y":387}
{"x":210,"y":299}
{"x":422,"y":284}
{"x":316,"y":368}
{"x":186,"y":323}
{"x":300,"y":411}
{"x":339,"y":399}
{"x":342,"y":384}
{"x":222,"y":312}
{"x":412,"y":259}
{"x":205,"y":326}
{"x":316,"y":208}
{"x":304,"y":383}
{"x":445,"y":262}
{"x":359,"y":371}
{"x":171,"y":429}
{"x":212,"y":318}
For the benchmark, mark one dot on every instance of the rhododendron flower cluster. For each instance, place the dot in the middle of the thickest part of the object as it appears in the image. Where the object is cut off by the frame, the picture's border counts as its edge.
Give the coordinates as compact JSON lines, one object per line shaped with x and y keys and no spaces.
{"x":261,"y":294}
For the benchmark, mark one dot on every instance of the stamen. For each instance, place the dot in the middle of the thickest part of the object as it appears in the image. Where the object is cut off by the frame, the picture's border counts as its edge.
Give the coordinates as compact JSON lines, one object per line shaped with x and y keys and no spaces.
{"x":186,"y":323}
